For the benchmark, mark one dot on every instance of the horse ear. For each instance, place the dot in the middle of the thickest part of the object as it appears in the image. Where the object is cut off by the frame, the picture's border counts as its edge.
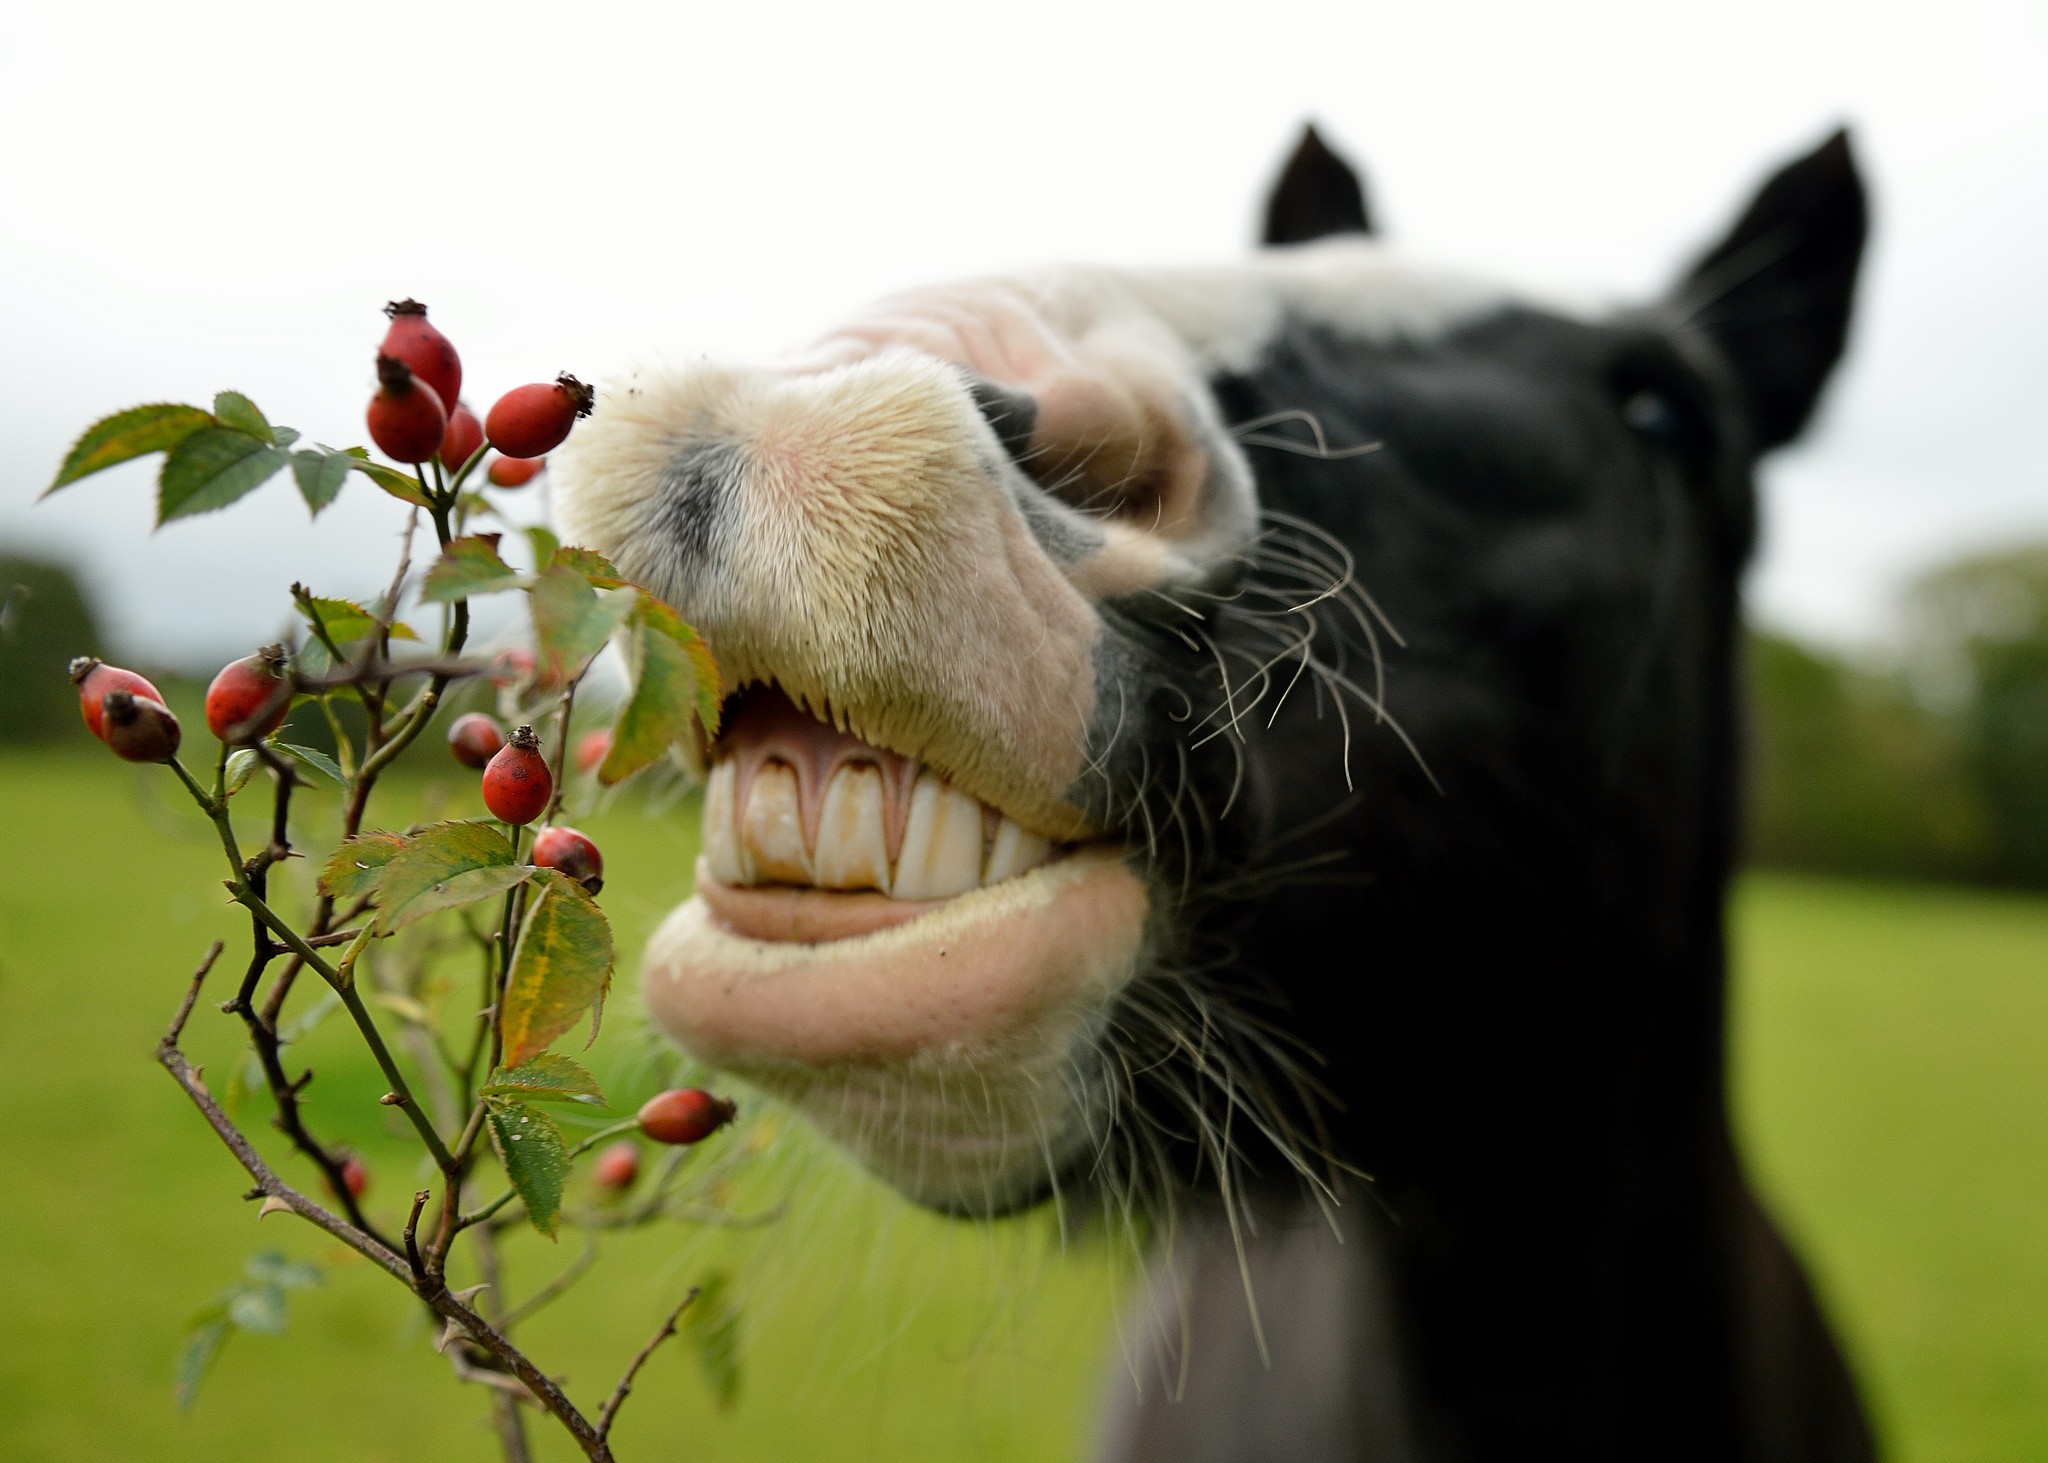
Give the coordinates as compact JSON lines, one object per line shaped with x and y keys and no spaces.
{"x":1317,"y":193}
{"x":1775,"y":295}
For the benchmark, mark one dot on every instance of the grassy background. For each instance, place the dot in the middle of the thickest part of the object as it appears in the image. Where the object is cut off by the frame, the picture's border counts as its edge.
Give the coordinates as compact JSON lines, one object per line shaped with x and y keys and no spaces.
{"x":1888,"y":1076}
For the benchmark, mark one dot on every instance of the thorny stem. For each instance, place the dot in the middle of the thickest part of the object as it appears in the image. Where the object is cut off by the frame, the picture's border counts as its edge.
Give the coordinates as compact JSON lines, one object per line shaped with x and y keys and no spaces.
{"x":610,"y":1411}
{"x":486,"y":1337}
{"x":562,"y":746}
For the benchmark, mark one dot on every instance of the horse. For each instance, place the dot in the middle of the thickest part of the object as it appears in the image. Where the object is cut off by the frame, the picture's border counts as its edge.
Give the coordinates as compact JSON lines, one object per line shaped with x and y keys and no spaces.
{"x":1252,"y":754}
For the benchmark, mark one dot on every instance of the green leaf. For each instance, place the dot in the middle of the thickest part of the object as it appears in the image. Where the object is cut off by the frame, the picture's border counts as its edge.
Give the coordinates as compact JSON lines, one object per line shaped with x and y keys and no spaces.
{"x":535,"y":1157}
{"x":283,"y":436}
{"x":356,"y":868}
{"x":241,"y":767}
{"x":210,"y":469}
{"x":673,"y":676}
{"x":320,"y":476}
{"x":549,"y":1077}
{"x":571,"y":623}
{"x":205,"y":1334}
{"x":400,"y":485}
{"x":544,"y":544}
{"x":136,"y":432}
{"x":271,"y":1268}
{"x":561,"y":966}
{"x":468,"y":566}
{"x":259,"y":1308}
{"x":592,"y":565}
{"x":319,"y":761}
{"x":429,"y":872}
{"x":232,"y":409}
{"x":345,"y":620}
{"x":711,"y":1325}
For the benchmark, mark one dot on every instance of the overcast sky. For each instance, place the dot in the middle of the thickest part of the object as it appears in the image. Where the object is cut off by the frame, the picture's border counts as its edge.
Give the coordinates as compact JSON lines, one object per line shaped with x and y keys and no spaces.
{"x":195,"y":196}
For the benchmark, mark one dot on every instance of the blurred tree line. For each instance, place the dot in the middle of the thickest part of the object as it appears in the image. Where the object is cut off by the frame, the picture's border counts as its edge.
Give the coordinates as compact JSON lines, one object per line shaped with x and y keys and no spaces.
{"x":1933,"y":765}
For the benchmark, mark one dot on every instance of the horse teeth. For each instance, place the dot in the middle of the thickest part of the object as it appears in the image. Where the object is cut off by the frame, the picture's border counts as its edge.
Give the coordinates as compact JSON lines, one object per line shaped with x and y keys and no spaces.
{"x":852,"y":851}
{"x":724,"y":851}
{"x":773,"y":826}
{"x":941,"y":854}
{"x":1013,"y":851}
{"x":951,"y":842}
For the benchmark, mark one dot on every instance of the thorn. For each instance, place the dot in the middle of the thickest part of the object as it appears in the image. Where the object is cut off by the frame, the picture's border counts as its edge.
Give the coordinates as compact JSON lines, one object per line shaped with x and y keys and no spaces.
{"x":391,"y":1099}
{"x":471,"y":1293}
{"x":273,"y":1205}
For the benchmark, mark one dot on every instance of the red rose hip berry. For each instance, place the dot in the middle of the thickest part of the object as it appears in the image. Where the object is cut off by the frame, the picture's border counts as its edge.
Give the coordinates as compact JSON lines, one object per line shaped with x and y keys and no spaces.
{"x":592,"y":748}
{"x":475,"y":739}
{"x":684,"y":1115}
{"x":464,"y":435}
{"x":571,"y":853}
{"x":94,"y":679}
{"x":138,"y":728}
{"x":249,"y":699}
{"x":517,"y":783}
{"x":616,"y":1167}
{"x":406,"y":419}
{"x":355,"y":1176}
{"x":515,"y":472}
{"x":424,"y":350}
{"x":531,"y":421}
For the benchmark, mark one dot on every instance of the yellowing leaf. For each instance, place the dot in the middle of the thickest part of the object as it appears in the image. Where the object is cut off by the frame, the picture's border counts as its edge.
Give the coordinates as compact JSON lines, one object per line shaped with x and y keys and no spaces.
{"x":345,"y":620}
{"x":592,"y":565}
{"x":561,"y":966}
{"x":129,"y":434}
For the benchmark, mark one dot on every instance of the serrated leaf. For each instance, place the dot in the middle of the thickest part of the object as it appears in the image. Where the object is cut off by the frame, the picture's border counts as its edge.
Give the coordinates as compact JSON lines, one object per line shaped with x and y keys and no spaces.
{"x":129,"y":434}
{"x":268,"y":1267}
{"x":592,"y":565}
{"x":674,"y":677}
{"x":210,"y":469}
{"x":345,"y":620}
{"x":356,"y":868}
{"x":571,"y":622}
{"x":548,"y":1077}
{"x":320,"y":476}
{"x":205,"y":1334}
{"x":468,"y":566}
{"x":241,"y":767}
{"x":258,"y":1308}
{"x":430,"y":863}
{"x":283,"y":436}
{"x":400,"y":485}
{"x":535,"y":1157}
{"x":458,"y":890}
{"x":711,"y":1325}
{"x":544,"y":543}
{"x":232,"y":409}
{"x":319,"y":761}
{"x":562,"y":964}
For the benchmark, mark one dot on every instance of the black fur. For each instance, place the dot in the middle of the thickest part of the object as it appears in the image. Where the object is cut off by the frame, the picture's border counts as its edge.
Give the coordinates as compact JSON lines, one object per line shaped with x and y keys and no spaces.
{"x":1506,"y":945}
{"x":1317,"y":194}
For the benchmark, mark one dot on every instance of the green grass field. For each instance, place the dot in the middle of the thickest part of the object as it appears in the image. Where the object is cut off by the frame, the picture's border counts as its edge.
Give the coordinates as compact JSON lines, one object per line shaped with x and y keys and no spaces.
{"x":1888,"y":1078}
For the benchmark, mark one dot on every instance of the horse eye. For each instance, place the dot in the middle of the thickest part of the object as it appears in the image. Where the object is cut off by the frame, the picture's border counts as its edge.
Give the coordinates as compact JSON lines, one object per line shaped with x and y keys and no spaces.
{"x":1652,"y":417}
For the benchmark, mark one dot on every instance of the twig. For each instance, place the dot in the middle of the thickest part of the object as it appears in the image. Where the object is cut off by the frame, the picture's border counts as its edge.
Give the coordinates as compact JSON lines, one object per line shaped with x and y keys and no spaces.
{"x":487,"y":1337}
{"x":610,"y":1411}
{"x":412,"y":1229}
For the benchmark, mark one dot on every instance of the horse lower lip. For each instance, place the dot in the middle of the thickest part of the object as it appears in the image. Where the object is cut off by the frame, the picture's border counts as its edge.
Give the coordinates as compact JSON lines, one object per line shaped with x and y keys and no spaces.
{"x":808,"y":916}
